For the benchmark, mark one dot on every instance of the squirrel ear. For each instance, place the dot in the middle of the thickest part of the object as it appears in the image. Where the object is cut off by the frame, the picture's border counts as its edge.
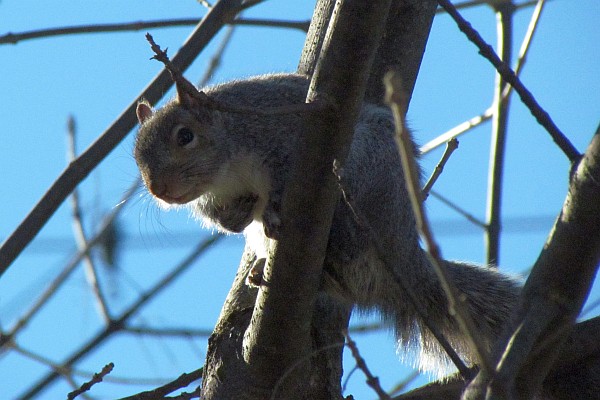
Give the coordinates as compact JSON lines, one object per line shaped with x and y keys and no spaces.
{"x":143,"y":111}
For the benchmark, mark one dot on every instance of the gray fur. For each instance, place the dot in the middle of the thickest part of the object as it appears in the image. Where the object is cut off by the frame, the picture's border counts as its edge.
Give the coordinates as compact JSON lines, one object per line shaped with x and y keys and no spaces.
{"x":238,"y":172}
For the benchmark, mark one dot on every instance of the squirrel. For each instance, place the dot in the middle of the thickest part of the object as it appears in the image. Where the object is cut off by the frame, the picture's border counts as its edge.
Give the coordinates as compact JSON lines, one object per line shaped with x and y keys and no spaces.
{"x":230,"y":169}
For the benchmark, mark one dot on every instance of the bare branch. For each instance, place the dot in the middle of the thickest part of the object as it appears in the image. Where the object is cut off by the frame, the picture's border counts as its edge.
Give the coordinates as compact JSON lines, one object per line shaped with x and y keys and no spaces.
{"x":215,"y":60}
{"x":487,"y":114}
{"x":97,"y":378}
{"x":173,"y":332}
{"x":182,"y":381}
{"x":119,"y":322}
{"x":556,"y":289}
{"x":456,"y":131}
{"x":414,"y":298}
{"x":470,"y":217}
{"x":504,"y":17}
{"x":279,"y":333}
{"x":91,"y":272}
{"x":69,"y":268}
{"x":509,"y":76}
{"x":372,"y":380}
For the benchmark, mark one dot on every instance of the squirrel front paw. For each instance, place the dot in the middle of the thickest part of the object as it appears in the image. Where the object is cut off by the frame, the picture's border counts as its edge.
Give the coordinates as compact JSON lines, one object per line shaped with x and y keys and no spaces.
{"x":271,"y":220}
{"x":254,"y":278}
{"x":236,"y":214}
{"x":272,"y":224}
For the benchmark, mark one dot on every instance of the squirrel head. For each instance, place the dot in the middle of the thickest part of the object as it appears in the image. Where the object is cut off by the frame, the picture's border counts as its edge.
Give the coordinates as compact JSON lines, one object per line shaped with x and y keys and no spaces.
{"x":179,"y":149}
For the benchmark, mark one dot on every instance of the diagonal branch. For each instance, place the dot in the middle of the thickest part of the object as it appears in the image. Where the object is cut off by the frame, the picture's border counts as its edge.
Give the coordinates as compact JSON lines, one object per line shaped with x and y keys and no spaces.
{"x":509,"y":76}
{"x":556,"y":289}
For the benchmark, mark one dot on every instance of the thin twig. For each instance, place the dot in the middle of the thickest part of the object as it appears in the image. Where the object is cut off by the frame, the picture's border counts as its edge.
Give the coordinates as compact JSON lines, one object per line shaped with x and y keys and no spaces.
{"x":474,"y":3}
{"x":182,"y":381}
{"x":400,"y":386}
{"x":397,"y":102}
{"x":470,"y":217}
{"x":97,"y":378}
{"x":509,"y":76}
{"x":409,"y":290}
{"x":450,"y":147}
{"x":91,"y":272}
{"x":13,"y":38}
{"x":82,"y":373}
{"x":372,"y":380}
{"x":175,"y":332}
{"x":504,"y":18}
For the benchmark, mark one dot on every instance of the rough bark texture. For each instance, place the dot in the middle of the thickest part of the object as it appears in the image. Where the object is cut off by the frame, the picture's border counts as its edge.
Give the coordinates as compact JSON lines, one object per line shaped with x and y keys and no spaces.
{"x":402,"y":46}
{"x":227,"y":371}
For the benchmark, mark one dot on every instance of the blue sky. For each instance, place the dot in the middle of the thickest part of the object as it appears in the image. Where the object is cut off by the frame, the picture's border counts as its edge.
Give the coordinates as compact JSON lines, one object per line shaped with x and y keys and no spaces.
{"x":94,"y":77}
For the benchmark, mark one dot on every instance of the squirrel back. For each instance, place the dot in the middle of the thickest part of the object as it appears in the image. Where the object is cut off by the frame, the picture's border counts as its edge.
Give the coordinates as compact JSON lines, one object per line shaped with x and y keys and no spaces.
{"x":231,"y":169}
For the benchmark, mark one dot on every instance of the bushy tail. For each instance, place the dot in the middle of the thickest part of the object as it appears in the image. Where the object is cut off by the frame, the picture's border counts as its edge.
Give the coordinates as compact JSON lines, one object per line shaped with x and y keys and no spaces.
{"x":490,"y":297}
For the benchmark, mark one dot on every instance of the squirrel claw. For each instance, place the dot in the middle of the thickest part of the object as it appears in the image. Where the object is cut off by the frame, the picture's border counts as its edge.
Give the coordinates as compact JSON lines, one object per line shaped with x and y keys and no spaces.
{"x":254,"y":278}
{"x":271,"y":226}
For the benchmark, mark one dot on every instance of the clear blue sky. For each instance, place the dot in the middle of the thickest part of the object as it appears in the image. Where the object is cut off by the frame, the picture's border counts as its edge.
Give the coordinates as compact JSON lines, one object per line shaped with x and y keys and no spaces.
{"x":94,"y":77}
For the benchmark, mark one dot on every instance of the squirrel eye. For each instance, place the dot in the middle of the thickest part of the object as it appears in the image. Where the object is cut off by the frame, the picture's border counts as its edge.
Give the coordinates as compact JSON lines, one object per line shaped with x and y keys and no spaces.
{"x":184,"y":136}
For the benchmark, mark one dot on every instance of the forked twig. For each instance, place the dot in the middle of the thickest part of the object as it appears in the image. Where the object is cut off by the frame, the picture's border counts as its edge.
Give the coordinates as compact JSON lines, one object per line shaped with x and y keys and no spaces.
{"x":489,"y":112}
{"x":372,"y":380}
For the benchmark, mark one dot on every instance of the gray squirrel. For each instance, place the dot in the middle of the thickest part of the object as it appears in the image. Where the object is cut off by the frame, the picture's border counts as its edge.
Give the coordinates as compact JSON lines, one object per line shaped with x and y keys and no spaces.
{"x":231,"y":168}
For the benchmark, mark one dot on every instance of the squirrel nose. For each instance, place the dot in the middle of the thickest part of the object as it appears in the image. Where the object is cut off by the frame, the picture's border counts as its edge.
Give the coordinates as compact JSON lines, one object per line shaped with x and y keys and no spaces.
{"x":158,"y":189}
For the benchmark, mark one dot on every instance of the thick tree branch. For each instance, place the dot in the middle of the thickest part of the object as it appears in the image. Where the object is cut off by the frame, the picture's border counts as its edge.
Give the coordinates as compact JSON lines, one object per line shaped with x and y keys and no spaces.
{"x":279,"y":333}
{"x":402,"y":46}
{"x":555,"y":291}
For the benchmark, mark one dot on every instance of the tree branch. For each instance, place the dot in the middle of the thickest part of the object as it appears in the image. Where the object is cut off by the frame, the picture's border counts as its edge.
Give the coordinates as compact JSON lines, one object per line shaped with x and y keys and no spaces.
{"x":509,"y":76}
{"x":14,"y":38}
{"x":556,"y":289}
{"x":279,"y":333}
{"x":504,"y":17}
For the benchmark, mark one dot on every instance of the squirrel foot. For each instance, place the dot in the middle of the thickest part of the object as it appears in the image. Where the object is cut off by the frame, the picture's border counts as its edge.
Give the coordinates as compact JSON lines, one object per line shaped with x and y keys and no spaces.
{"x":254,"y":278}
{"x":272,"y":225}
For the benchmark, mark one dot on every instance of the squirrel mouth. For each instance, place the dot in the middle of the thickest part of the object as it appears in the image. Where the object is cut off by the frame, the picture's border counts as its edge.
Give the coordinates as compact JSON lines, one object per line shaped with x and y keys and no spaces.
{"x":181,"y":199}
